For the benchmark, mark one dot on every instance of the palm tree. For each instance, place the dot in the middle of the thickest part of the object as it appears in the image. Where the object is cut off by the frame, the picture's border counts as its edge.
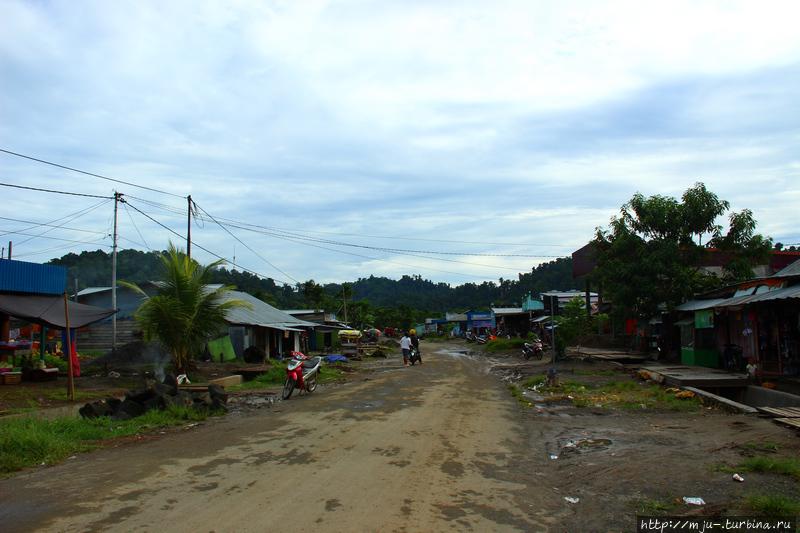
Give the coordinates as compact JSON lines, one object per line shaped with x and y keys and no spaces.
{"x":185,"y":313}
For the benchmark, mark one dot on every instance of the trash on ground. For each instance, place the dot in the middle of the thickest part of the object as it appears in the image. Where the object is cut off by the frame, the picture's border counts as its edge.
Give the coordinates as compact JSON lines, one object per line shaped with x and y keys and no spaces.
{"x":571,"y":499}
{"x":737,"y":477}
{"x":335,"y":358}
{"x":693,"y":501}
{"x":113,"y":374}
{"x":685,"y":394}
{"x":553,"y":456}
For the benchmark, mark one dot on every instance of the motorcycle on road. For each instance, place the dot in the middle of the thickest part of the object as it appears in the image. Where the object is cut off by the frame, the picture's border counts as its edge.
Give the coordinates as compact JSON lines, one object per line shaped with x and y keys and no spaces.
{"x":301,"y":373}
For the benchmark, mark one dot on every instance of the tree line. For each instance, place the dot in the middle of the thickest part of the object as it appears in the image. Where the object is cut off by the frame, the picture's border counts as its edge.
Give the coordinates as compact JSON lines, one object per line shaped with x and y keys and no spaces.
{"x":373,"y":300}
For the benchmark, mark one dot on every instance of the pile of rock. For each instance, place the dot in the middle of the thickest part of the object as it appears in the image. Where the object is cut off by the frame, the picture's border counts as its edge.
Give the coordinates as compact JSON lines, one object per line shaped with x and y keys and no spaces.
{"x":157,"y":396}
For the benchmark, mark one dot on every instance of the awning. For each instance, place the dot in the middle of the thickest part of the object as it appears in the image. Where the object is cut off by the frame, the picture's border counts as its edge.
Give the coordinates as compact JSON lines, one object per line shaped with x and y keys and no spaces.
{"x":49,"y":310}
{"x":685,"y":322}
{"x":280,"y":327}
{"x":697,"y":305}
{"x":780,"y":294}
{"x":539,"y":319}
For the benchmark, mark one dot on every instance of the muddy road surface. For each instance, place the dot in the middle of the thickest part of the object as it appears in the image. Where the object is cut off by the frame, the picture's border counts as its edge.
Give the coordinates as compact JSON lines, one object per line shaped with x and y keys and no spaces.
{"x":441,"y":447}
{"x":424,"y":448}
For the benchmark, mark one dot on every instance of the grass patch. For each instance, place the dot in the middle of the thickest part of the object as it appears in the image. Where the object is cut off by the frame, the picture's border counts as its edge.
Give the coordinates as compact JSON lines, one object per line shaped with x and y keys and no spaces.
{"x":626,"y":394}
{"x":653,"y":507}
{"x":276,"y":375}
{"x":766,"y":446}
{"x":596,"y":372}
{"x":500,"y":345}
{"x":789,"y":466}
{"x":773,"y":505}
{"x":534,"y":381}
{"x":29,"y":441}
{"x":516,"y":392}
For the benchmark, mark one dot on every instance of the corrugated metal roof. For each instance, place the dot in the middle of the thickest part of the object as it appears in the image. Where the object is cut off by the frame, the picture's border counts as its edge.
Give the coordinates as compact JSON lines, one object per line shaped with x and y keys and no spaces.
{"x":260,"y":314}
{"x":780,"y":294}
{"x":791,"y":270}
{"x":92,"y":290}
{"x":32,"y":278}
{"x":697,"y":305}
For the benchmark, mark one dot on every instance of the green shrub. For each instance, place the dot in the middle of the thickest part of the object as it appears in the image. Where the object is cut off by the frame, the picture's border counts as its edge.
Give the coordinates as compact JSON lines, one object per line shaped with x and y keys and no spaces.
{"x":499,"y":344}
{"x":773,"y":505}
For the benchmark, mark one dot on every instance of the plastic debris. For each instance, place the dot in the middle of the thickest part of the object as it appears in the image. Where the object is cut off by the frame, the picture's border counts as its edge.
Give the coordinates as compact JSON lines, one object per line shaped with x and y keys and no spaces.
{"x":693,"y":501}
{"x":570,"y":499}
{"x":183,"y":379}
{"x":113,"y":374}
{"x":737,"y":477}
{"x":553,"y":456}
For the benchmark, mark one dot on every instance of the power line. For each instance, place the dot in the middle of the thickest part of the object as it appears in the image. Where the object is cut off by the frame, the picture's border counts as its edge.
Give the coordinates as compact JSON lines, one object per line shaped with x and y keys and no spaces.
{"x":54,"y":191}
{"x":69,"y":218}
{"x":125,"y":205}
{"x":39,"y":224}
{"x":89,"y":173}
{"x":245,"y":244}
{"x":265,"y":230}
{"x":27,"y":254}
{"x":44,"y":237}
{"x":79,"y":211}
{"x":206,"y":249}
{"x":179,"y":211}
{"x":301,"y":238}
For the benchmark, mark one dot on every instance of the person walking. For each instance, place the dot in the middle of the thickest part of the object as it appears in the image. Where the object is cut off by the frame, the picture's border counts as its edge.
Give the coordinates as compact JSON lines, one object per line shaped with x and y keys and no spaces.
{"x":405,"y":346}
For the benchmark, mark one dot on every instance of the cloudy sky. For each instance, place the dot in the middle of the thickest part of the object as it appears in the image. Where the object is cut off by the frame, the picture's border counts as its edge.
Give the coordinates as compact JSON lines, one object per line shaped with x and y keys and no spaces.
{"x":339,"y":133}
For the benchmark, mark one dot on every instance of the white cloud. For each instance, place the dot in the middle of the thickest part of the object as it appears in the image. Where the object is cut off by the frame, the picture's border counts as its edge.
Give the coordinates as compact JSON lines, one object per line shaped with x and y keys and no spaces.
{"x":514,"y":121}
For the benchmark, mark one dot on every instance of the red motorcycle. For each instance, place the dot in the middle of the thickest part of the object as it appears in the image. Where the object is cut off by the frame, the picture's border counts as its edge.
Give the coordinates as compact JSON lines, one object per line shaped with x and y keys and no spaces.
{"x":301,"y":372}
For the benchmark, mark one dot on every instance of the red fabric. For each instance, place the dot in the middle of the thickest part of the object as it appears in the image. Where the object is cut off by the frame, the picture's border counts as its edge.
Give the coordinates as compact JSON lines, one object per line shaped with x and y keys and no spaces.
{"x":76,"y":364}
{"x":630,"y":326}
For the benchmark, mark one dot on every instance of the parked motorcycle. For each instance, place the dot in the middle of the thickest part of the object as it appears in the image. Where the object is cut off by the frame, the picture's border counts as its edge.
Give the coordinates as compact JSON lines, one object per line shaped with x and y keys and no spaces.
{"x":301,"y":373}
{"x":533,"y":349}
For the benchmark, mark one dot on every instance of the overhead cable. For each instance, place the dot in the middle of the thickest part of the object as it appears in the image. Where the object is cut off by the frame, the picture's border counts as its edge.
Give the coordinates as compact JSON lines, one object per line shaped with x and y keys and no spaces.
{"x":267,"y":261}
{"x":115,"y":180}
{"x":54,"y":191}
{"x":183,"y":237}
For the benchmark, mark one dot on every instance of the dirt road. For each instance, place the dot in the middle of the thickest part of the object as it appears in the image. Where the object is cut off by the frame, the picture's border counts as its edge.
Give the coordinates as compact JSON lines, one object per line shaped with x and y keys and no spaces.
{"x":417,"y":449}
{"x":442,"y":447}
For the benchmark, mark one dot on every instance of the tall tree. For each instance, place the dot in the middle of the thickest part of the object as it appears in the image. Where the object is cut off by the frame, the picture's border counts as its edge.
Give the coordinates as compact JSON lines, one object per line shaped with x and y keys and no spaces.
{"x":652,"y":252}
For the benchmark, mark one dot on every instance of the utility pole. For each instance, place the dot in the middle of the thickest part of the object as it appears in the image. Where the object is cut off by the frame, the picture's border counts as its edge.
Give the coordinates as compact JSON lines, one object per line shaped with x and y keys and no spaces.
{"x":189,"y":228}
{"x":9,"y":249}
{"x":117,"y":199}
{"x":553,"y":327}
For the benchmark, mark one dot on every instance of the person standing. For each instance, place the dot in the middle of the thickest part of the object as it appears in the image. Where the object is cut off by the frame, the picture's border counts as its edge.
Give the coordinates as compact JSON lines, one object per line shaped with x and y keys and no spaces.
{"x":415,"y":344}
{"x":405,"y":346}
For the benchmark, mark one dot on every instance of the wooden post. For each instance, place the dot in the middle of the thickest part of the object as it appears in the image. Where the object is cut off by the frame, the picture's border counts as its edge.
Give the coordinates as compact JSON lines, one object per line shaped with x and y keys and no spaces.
{"x":70,"y":380}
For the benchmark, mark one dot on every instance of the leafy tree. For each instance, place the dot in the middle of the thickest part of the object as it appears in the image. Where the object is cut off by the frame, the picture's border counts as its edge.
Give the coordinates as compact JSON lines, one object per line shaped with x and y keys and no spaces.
{"x":652,"y":253}
{"x":185,"y":314}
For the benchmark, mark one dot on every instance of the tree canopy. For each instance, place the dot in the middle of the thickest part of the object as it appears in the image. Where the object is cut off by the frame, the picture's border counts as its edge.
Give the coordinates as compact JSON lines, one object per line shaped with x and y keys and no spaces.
{"x":653,"y":252}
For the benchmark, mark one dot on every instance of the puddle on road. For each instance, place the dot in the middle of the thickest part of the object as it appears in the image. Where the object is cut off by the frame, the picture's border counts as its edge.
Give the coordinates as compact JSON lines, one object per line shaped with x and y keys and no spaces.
{"x":566,"y":446}
{"x":365,"y":406}
{"x":459,"y":354}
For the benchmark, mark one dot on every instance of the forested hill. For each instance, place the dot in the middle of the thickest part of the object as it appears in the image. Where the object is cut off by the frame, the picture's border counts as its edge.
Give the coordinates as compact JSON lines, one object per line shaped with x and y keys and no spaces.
{"x":94,"y":269}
